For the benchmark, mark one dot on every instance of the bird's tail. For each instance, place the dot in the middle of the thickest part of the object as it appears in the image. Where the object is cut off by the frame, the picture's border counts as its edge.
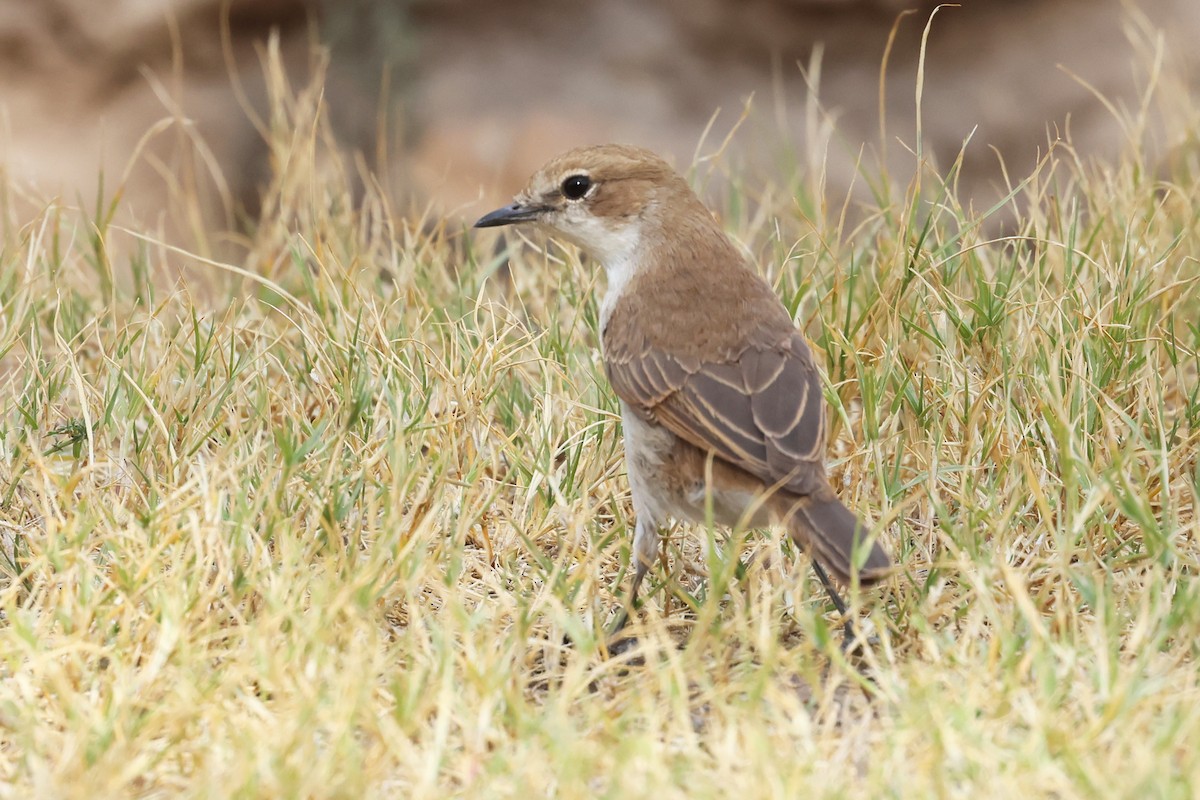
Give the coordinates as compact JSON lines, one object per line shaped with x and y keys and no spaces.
{"x":837,"y":539}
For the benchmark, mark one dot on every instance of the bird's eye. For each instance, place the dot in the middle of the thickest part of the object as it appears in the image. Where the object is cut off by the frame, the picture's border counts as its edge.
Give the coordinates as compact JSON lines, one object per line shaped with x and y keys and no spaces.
{"x":576,"y":186}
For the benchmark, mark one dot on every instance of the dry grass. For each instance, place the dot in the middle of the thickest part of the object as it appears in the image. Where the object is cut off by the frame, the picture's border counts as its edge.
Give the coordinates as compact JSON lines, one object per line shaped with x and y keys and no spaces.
{"x":321,"y":534}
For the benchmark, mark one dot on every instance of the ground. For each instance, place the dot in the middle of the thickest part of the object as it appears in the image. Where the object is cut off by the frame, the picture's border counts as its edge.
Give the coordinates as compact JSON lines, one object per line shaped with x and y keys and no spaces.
{"x":320,"y":523}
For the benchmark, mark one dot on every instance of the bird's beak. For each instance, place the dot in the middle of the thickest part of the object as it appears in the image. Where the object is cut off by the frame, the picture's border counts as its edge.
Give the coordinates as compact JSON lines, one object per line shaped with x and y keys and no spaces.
{"x":508,"y":215}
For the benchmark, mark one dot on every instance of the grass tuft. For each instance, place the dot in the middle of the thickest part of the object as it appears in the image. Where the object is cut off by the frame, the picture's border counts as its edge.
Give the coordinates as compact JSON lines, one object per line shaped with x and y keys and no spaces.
{"x":317,"y":524}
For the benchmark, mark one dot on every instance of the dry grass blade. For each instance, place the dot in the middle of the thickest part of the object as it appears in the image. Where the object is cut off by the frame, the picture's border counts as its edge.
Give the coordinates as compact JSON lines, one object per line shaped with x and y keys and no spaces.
{"x":322,"y":533}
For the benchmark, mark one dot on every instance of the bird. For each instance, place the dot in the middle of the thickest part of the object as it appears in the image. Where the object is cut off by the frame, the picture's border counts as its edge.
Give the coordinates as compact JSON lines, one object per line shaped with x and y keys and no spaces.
{"x":721,"y":403}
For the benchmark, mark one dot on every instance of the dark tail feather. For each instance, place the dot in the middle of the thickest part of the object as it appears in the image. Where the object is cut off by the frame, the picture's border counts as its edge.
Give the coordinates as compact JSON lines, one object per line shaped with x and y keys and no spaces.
{"x":832,"y":535}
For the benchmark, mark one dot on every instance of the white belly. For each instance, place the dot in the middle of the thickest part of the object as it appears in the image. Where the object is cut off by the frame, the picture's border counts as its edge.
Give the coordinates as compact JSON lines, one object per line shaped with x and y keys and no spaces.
{"x":647,"y":449}
{"x":660,"y":492}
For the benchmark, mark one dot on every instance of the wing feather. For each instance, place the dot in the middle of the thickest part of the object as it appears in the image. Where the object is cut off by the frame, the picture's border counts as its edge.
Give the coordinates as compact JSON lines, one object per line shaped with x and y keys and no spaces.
{"x":759,"y":408}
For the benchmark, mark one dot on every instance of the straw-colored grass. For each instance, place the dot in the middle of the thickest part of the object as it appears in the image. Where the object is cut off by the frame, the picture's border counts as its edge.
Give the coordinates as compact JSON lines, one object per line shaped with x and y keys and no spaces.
{"x":322,"y":533}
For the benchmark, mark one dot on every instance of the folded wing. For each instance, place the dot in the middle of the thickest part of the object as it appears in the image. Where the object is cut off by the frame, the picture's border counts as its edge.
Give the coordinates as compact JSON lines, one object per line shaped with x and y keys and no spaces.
{"x":760,"y":409}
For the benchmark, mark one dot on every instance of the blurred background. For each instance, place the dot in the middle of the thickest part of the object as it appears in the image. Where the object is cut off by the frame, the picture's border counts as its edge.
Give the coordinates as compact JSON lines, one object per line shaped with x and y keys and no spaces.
{"x":452,"y":103}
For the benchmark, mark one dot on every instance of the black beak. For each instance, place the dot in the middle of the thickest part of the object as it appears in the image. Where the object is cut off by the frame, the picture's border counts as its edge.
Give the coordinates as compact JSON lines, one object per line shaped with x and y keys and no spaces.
{"x":508,"y":215}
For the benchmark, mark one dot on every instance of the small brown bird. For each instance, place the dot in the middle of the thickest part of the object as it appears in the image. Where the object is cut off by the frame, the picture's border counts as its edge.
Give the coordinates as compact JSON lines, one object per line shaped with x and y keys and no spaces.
{"x":720,"y":397}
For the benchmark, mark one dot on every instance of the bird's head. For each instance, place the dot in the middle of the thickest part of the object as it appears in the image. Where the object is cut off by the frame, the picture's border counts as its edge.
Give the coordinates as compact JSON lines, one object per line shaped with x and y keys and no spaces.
{"x":604,"y":198}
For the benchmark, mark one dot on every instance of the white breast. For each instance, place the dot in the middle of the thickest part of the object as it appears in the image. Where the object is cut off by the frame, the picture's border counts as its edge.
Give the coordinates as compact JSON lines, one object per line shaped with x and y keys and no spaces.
{"x":619,"y":273}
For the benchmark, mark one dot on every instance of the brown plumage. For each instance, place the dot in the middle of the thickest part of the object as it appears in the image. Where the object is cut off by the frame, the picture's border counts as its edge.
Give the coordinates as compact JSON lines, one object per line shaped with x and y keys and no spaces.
{"x":713,"y":377}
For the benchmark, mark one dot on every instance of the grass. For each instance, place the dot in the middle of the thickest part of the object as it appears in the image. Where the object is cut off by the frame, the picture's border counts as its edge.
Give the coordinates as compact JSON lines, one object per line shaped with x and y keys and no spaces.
{"x":316,"y":526}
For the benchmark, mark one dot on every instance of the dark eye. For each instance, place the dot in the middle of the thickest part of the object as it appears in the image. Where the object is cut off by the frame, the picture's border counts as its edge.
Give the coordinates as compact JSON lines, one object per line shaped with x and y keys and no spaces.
{"x":576,"y":186}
